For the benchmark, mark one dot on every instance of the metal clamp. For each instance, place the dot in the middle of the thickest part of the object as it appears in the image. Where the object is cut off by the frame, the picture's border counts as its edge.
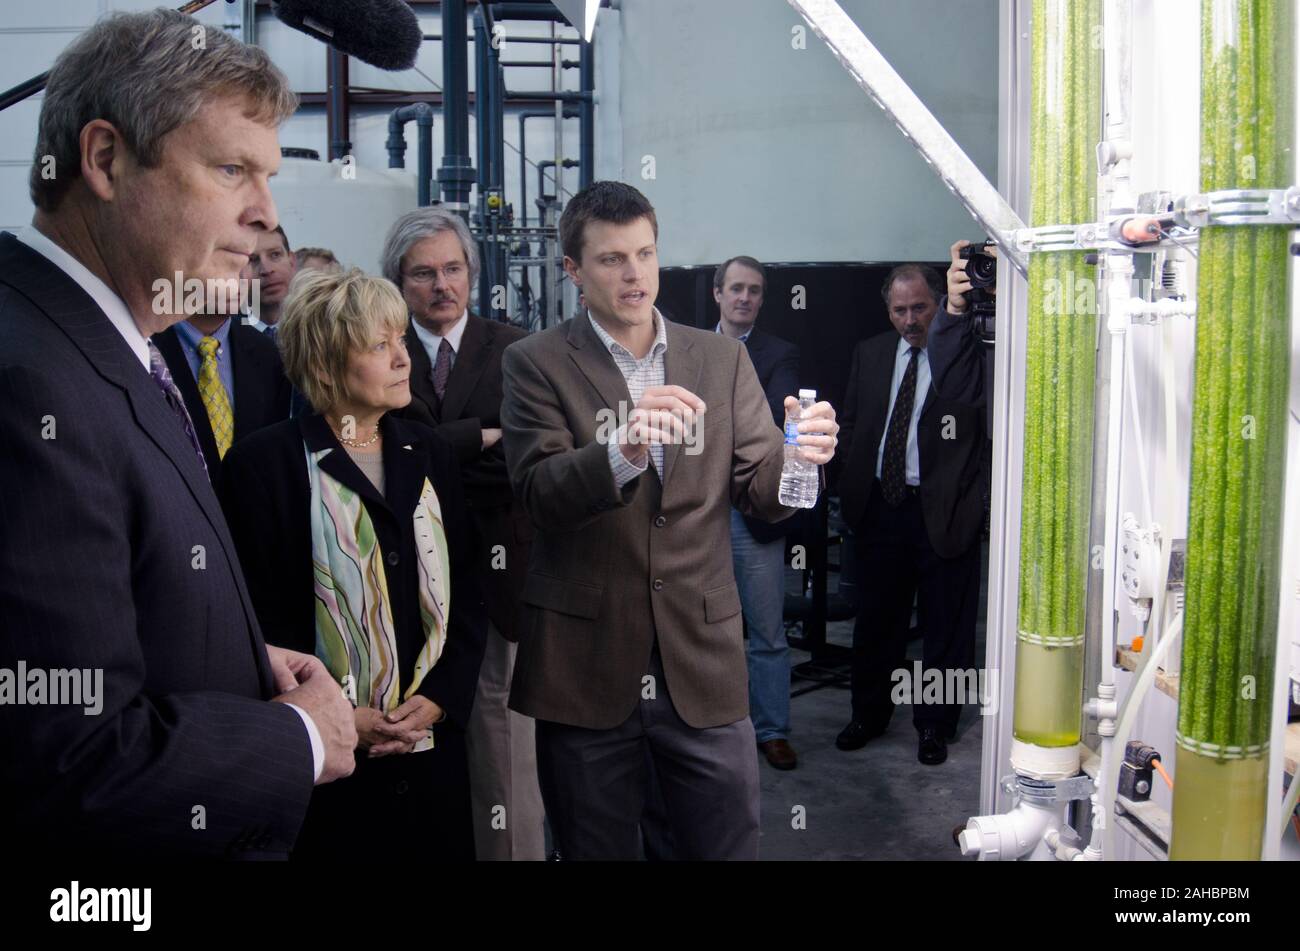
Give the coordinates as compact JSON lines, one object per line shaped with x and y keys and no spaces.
{"x":1044,"y":791}
{"x":1084,"y":237}
{"x":1240,"y":206}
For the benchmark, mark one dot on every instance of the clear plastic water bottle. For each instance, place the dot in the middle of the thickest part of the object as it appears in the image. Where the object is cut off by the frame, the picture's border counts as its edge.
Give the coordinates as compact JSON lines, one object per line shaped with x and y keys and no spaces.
{"x":799,"y":479}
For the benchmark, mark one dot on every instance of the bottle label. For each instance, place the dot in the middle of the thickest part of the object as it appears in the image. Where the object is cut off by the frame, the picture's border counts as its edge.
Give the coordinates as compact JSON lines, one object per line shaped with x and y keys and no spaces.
{"x":792,"y":432}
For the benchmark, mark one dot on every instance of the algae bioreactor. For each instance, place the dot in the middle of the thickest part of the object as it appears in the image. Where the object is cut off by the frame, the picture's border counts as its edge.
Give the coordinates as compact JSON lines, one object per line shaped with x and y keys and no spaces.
{"x":1145,"y":546}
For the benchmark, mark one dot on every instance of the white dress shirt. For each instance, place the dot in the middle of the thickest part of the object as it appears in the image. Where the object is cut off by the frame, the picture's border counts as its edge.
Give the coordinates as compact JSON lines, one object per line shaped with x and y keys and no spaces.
{"x":118,"y":315}
{"x":104,"y":296}
{"x":901,"y":356}
{"x":433,"y":341}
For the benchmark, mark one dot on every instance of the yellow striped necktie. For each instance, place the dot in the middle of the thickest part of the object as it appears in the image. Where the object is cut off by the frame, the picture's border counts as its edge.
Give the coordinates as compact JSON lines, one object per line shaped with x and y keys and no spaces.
{"x":215,"y":399}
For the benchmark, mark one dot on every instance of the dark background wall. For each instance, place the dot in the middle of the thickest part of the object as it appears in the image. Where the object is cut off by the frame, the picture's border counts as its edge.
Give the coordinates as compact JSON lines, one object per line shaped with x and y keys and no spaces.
{"x":842,"y":306}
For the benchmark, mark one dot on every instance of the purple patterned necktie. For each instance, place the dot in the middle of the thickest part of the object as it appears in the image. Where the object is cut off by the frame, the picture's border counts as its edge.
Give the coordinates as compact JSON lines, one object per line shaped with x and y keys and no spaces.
{"x":163,"y":378}
{"x":442,"y":368}
{"x":893,"y":466}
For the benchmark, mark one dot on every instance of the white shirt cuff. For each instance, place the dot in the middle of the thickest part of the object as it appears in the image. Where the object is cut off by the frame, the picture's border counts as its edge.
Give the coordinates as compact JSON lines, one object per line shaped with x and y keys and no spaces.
{"x":317,"y":744}
{"x":624,"y":471}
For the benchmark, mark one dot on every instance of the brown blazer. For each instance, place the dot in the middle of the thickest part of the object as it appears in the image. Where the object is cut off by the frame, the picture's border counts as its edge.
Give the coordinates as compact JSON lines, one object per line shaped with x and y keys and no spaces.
{"x":612,"y":570}
{"x":472,"y":403}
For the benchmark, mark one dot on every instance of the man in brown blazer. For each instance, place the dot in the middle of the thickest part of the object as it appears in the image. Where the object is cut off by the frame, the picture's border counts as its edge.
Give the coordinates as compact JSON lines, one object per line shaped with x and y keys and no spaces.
{"x":456,"y":389}
{"x":628,"y":439}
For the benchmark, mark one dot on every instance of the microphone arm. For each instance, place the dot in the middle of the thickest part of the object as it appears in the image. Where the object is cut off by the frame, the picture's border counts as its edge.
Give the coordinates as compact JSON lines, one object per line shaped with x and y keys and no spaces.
{"x":34,"y":85}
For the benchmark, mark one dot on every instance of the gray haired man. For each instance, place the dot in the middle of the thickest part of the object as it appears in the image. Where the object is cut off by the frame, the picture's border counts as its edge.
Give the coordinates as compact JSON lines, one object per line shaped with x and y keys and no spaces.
{"x":152,"y":165}
{"x":456,"y":388}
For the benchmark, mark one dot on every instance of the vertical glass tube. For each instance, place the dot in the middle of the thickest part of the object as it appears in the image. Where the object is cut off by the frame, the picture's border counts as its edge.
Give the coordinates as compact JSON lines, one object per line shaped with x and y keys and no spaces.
{"x":1060,"y":376}
{"x":1238,"y":439}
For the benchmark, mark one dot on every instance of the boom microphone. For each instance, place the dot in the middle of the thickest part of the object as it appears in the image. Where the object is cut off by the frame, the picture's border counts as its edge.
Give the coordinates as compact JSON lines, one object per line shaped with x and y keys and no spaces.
{"x":383,"y":33}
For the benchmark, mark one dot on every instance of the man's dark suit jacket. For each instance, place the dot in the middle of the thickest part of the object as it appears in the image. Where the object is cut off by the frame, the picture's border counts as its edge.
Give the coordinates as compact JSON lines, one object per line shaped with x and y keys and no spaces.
{"x":261,"y":394}
{"x":777,"y":364}
{"x":952,"y":486}
{"x":265,"y":492}
{"x":114,"y":555}
{"x":956,"y":355}
{"x":473,"y":403}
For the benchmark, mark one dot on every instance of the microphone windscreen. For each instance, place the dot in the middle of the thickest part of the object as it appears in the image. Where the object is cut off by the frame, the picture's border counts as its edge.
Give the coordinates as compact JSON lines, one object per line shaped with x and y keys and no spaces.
{"x":383,"y":33}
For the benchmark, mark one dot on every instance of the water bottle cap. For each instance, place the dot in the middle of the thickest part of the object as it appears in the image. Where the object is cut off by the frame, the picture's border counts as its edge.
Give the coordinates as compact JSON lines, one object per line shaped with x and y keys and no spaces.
{"x":807,"y":394}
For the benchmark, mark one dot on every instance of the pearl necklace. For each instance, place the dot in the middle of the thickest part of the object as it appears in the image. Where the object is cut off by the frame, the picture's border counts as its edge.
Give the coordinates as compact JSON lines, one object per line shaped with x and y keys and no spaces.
{"x":353,"y":444}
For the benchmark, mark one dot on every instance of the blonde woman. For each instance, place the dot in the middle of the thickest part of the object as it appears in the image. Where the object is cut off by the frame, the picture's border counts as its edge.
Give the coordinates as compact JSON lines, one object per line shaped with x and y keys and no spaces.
{"x":352,"y":534}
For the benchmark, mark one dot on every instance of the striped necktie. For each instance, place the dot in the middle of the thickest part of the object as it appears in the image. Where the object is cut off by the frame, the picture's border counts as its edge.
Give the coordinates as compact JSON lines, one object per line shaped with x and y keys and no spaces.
{"x":162,"y":377}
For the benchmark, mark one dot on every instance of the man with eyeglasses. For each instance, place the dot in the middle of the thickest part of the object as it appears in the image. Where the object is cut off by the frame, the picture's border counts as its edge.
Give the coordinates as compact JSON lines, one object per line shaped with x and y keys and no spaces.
{"x":456,"y":388}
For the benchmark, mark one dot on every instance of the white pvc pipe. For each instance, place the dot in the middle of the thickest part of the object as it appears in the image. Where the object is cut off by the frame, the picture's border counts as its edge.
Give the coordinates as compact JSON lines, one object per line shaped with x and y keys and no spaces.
{"x":1117,"y":325}
{"x":1010,"y":835}
{"x":1144,"y":473}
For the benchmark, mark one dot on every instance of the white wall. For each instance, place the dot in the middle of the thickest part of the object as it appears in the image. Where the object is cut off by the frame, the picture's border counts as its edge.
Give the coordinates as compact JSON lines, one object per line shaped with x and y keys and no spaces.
{"x":776,"y":152}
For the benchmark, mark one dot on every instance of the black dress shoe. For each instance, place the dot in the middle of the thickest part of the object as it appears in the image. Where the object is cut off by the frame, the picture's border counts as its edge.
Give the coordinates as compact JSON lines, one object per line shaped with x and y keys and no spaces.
{"x":931,"y":749}
{"x":856,"y":735}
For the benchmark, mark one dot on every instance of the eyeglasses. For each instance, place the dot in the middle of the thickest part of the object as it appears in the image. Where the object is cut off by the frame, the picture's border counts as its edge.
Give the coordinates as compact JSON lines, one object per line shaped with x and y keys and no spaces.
{"x":428,"y":275}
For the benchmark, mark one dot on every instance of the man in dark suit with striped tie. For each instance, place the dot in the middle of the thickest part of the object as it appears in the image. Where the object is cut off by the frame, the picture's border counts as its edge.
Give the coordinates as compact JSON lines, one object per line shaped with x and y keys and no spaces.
{"x":114,"y":554}
{"x":912,"y":489}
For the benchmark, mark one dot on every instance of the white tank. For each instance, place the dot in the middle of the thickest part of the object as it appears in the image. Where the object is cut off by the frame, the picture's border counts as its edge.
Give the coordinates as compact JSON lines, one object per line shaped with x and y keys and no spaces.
{"x":345,"y":208}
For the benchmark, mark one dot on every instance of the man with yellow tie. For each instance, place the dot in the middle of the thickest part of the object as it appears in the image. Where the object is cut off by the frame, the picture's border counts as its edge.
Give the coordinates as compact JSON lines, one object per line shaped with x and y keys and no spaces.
{"x":231,"y":378}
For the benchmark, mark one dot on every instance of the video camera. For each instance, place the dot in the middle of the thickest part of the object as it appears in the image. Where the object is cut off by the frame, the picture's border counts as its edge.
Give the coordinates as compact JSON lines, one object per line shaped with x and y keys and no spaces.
{"x":982,"y":269}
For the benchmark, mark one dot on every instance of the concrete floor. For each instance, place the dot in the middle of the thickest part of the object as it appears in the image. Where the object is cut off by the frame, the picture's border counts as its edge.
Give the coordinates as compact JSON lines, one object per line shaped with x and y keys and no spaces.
{"x":877,"y":802}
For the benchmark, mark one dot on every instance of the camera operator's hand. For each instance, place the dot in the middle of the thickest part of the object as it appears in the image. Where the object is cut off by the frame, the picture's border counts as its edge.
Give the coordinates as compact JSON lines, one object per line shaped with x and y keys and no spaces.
{"x":958,"y":281}
{"x":959,"y":284}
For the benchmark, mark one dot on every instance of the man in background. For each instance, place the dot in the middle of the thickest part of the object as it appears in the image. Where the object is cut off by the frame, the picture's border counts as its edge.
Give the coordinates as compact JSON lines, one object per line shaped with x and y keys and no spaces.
{"x":273,"y":266}
{"x":320,"y":258}
{"x":912,"y":489}
{"x":231,"y":378}
{"x":758,"y":547}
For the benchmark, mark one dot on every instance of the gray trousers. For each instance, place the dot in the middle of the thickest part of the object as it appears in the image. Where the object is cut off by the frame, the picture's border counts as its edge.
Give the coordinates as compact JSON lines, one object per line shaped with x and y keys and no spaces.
{"x":594,"y":783}
{"x":501,"y":749}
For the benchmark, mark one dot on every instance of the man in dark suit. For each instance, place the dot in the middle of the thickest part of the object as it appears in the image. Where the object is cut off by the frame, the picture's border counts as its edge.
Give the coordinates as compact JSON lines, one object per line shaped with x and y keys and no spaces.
{"x":628,"y":456}
{"x":456,"y":388}
{"x":273,"y":266}
{"x":231,"y":378}
{"x":270,"y":269}
{"x":758,"y":547}
{"x":912,"y":489}
{"x":114,"y":555}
